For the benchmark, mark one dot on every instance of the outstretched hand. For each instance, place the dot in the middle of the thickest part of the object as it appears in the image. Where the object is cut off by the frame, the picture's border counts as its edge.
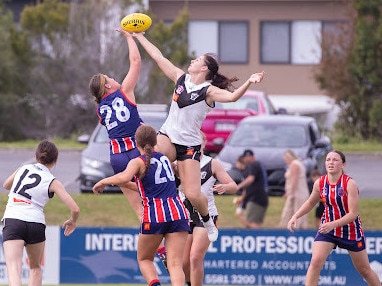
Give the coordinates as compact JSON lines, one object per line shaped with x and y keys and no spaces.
{"x":125,"y":33}
{"x":257,"y":77}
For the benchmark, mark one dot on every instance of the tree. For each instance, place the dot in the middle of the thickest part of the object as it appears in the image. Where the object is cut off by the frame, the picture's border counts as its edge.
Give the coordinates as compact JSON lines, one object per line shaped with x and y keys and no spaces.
{"x":351,"y":70}
{"x":49,"y":60}
{"x":14,"y":65}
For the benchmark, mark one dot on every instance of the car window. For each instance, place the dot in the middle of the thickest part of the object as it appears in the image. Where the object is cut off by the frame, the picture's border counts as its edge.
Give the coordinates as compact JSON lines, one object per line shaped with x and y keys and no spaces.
{"x":245,"y":102}
{"x":269,"y":135}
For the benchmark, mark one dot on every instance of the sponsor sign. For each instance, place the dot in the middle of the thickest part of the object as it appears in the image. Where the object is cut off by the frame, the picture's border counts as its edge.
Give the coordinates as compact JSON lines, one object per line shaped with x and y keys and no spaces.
{"x":238,"y":257}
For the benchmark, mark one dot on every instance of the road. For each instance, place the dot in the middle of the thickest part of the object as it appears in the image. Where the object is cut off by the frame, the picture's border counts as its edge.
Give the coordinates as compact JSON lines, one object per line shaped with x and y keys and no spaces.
{"x":365,"y":168}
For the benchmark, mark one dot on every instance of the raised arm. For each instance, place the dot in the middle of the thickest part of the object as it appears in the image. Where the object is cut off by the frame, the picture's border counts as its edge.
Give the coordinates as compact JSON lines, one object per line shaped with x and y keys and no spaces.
{"x":167,"y":67}
{"x":222,"y":95}
{"x":131,"y":78}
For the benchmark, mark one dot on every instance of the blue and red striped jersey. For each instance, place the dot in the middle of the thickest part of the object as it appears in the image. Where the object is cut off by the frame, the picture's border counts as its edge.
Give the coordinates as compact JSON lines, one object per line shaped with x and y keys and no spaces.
{"x":161,"y":202}
{"x":121,"y":118}
{"x":335,"y":199}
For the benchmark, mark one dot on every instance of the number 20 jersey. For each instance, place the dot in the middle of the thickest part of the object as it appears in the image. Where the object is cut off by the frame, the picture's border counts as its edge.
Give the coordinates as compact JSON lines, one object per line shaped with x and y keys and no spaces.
{"x":29,"y":193}
{"x":160,"y":199}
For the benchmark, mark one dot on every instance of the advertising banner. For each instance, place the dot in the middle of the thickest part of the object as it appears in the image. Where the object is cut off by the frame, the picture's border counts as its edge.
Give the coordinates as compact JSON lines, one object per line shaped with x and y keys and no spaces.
{"x":238,"y":257}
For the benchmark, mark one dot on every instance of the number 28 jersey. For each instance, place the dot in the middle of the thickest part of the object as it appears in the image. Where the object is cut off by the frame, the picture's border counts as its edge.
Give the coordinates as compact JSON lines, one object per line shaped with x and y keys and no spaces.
{"x":29,"y":193}
{"x":161,"y":202}
{"x":121,"y":119}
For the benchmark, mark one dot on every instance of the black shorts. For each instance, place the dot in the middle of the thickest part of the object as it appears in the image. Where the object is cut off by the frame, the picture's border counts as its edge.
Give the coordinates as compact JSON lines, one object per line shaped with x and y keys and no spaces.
{"x":185,"y":152}
{"x":30,"y":232}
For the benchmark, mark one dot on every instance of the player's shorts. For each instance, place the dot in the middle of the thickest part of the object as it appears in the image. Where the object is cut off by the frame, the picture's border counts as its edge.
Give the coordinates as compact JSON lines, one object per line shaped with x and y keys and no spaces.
{"x":30,"y":232}
{"x":119,"y":161}
{"x":165,"y":227}
{"x":351,"y":245}
{"x":185,"y":152}
{"x":254,"y":212}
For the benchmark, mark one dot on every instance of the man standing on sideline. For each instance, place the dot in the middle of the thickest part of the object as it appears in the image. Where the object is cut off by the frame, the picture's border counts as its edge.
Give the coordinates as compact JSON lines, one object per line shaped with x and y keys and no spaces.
{"x":254,"y":197}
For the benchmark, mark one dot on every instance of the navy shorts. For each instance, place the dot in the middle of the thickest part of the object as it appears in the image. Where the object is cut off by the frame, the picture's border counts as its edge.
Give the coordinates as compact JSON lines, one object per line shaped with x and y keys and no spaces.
{"x":119,"y":161}
{"x":351,"y":245}
{"x":30,"y":232}
{"x":165,"y":227}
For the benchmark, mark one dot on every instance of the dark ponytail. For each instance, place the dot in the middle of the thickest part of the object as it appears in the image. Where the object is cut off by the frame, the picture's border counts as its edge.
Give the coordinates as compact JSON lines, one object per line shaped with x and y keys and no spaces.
{"x":215,"y":77}
{"x":146,"y":138}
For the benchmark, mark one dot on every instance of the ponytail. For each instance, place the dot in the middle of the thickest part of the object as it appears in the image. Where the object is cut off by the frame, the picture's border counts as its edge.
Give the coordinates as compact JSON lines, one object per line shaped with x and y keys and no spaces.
{"x":215,"y":77}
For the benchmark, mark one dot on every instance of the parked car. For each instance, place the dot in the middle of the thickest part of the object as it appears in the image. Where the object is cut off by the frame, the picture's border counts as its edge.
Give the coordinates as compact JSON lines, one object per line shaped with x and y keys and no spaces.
{"x":224,"y":117}
{"x":95,"y":158}
{"x":269,"y":137}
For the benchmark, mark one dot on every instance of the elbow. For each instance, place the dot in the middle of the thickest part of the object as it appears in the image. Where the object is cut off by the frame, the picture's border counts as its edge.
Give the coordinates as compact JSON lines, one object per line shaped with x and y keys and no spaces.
{"x":135,"y":60}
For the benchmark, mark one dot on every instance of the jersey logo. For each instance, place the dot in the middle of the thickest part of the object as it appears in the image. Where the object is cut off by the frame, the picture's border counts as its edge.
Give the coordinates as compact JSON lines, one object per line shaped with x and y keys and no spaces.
{"x":341,"y":191}
{"x":175,"y":97}
{"x":194,"y":96}
{"x":190,"y":151}
{"x":324,"y":191}
{"x":15,"y":200}
{"x":146,"y":226}
{"x":203,"y":175}
{"x":179,"y":89}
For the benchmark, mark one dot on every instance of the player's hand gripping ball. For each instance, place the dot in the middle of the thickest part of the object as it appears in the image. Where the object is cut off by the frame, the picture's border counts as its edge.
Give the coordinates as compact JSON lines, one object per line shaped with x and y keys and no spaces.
{"x":136,"y":23}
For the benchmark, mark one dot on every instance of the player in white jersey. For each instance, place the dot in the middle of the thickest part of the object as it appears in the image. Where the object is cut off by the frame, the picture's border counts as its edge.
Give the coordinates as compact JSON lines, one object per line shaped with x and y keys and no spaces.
{"x":31,"y":187}
{"x":194,"y":94}
{"x":214,"y":178}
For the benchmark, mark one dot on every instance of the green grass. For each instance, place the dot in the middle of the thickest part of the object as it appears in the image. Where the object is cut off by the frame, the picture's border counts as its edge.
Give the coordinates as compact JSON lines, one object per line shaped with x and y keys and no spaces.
{"x":346,"y":145}
{"x":113,"y":210}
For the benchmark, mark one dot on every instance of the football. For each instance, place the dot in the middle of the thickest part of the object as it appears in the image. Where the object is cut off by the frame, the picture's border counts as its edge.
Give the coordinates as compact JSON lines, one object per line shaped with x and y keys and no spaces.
{"x":136,"y":22}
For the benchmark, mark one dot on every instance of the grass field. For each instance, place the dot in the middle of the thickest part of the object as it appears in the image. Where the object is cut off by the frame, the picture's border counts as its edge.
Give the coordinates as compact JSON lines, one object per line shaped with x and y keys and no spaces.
{"x":113,"y":210}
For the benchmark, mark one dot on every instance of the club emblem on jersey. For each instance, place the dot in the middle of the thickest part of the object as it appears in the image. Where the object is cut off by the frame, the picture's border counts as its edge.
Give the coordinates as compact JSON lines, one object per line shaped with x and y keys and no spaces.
{"x":341,"y":191}
{"x":179,"y":89}
{"x":146,"y":226}
{"x":175,"y":97}
{"x":194,"y":96}
{"x":324,"y":191}
{"x":203,"y":175}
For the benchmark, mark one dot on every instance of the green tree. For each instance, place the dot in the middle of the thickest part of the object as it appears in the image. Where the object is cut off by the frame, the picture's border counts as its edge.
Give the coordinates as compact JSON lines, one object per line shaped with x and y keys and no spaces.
{"x":351,"y":70}
{"x":14,"y":65}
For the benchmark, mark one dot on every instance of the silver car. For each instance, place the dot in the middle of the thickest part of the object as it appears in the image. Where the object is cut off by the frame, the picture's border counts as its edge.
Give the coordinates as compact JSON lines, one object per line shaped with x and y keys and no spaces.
{"x":95,"y":158}
{"x":269,"y":137}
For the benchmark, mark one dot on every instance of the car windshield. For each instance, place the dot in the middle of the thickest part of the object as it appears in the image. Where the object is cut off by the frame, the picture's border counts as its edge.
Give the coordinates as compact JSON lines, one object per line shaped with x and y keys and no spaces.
{"x":269,"y":135}
{"x":245,"y":102}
